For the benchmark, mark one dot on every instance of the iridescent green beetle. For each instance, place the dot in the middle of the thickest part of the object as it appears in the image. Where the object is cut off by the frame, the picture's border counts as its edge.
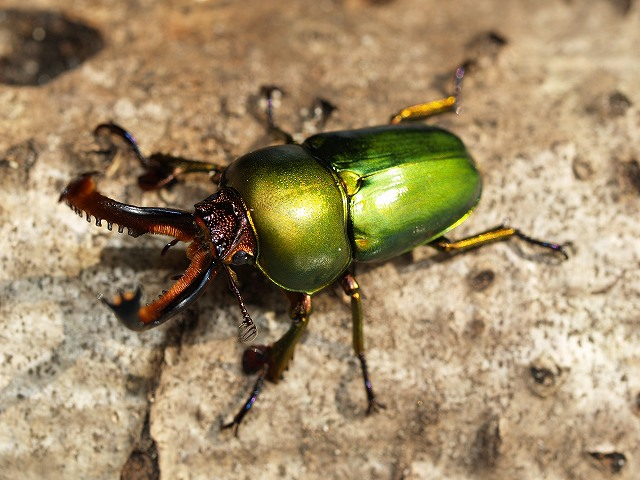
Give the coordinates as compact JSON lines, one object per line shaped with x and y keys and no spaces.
{"x":302,"y":214}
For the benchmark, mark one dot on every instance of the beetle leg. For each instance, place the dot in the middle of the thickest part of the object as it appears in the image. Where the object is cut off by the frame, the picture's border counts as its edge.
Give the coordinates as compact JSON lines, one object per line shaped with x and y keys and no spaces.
{"x":281,"y":352}
{"x":272,"y":360}
{"x":435,"y":107}
{"x":269,"y":92}
{"x":235,"y":423}
{"x":160,"y":169}
{"x":351,"y":288}
{"x":496,"y":234}
{"x":82,"y":196}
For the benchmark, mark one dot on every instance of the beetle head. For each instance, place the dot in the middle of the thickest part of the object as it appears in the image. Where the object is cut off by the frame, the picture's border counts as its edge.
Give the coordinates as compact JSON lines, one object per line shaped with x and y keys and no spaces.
{"x":224,"y":222}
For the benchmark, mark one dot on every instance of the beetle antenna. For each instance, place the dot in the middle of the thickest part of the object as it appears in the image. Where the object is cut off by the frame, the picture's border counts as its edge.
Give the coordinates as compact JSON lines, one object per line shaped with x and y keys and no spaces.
{"x":247,"y":330}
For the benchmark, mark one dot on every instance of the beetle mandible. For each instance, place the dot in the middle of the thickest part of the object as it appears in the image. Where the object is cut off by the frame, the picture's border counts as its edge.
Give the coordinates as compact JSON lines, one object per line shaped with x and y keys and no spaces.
{"x":303,"y":214}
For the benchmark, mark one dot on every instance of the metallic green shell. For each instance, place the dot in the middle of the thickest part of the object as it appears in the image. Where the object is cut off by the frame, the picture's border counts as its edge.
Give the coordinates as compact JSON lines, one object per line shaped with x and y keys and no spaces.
{"x":407,"y":185}
{"x":298,"y":209}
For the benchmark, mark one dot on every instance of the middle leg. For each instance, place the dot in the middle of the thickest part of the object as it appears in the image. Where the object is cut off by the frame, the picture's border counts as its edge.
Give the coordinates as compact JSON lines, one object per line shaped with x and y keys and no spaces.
{"x":352,"y":289}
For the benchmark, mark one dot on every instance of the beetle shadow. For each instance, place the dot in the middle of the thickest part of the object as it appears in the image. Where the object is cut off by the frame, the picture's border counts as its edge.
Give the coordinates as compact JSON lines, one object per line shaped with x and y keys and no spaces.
{"x":258,"y":293}
{"x":144,"y":258}
{"x":402,"y":263}
{"x":50,"y":297}
{"x":57,"y":298}
{"x":407,"y":263}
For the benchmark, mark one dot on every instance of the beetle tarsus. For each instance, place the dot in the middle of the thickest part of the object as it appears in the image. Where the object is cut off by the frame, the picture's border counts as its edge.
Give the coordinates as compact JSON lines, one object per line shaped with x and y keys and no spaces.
{"x":555,"y":247}
{"x":373,"y":405}
{"x":321,"y":111}
{"x":457,"y":87}
{"x":123,"y":134}
{"x":235,"y":423}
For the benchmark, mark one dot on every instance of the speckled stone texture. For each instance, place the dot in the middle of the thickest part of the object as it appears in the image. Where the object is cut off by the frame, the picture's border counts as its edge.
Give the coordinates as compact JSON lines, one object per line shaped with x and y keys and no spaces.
{"x":496,"y":364}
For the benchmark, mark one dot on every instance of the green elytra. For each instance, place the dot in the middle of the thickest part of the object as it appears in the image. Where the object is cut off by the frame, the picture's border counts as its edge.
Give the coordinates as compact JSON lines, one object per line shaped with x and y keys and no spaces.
{"x":366,"y":195}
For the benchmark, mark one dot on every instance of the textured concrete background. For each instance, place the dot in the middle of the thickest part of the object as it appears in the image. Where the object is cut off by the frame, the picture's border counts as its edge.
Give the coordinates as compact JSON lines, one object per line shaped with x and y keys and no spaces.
{"x":551,"y":115}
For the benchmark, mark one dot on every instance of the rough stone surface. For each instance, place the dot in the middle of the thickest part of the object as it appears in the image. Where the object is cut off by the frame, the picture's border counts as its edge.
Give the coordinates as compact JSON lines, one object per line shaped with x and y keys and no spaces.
{"x":494,"y":364}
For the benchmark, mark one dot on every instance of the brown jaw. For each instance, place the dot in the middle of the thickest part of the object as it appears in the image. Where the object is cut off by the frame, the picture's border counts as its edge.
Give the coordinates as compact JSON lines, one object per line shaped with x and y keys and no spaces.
{"x":183,"y":293}
{"x":82,"y":196}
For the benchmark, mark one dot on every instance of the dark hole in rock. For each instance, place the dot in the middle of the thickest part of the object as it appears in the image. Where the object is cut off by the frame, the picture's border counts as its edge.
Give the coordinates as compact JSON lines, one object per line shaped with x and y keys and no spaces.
{"x":37,"y":46}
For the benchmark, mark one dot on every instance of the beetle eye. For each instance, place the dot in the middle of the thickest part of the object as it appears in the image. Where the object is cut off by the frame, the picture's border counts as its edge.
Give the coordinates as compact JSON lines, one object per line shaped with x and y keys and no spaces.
{"x":241,"y":258}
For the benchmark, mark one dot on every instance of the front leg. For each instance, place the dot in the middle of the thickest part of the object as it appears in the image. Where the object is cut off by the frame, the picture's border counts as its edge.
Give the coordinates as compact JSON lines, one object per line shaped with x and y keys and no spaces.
{"x":161,"y":170}
{"x":272,"y":360}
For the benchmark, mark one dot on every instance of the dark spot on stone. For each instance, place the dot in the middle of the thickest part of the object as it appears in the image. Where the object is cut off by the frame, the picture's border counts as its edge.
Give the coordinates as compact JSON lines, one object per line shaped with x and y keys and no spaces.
{"x":618,"y":104}
{"x":496,"y":39}
{"x":475,"y":328}
{"x":632,"y":173}
{"x":484,"y":48}
{"x":545,"y":376}
{"x":39,"y":45}
{"x":623,"y":6}
{"x":489,"y":442}
{"x":542,"y":376}
{"x":16,"y":163}
{"x":582,"y":168}
{"x":136,"y":385}
{"x":140,"y":466}
{"x":480,"y":281}
{"x":608,"y":105}
{"x":613,"y":462}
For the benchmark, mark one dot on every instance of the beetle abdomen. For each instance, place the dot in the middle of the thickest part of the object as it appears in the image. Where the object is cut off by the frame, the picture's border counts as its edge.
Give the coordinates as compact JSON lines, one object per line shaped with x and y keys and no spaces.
{"x":299,"y":213}
{"x":407,"y":185}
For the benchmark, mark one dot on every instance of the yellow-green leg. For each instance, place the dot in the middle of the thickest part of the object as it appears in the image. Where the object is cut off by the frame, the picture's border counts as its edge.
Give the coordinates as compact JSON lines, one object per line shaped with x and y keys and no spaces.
{"x":352,"y":289}
{"x":435,"y":107}
{"x":496,"y":234}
